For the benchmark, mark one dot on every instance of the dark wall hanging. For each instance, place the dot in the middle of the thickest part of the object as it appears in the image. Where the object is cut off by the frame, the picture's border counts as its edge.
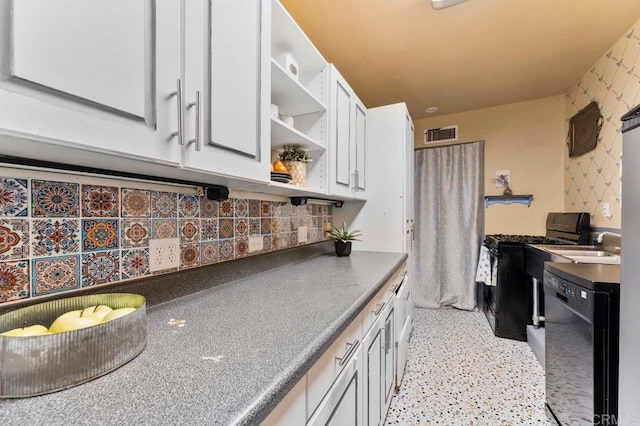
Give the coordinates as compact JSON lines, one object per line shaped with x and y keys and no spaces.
{"x":584,"y":128}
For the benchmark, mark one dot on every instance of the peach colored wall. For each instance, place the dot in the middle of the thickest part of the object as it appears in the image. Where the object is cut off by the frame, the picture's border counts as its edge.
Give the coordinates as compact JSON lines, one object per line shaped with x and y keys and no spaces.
{"x":593,"y":179}
{"x":526,"y":138}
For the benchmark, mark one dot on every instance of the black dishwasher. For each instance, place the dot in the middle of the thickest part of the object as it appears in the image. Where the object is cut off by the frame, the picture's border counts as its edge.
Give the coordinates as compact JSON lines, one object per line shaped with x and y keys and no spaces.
{"x":582,"y":311}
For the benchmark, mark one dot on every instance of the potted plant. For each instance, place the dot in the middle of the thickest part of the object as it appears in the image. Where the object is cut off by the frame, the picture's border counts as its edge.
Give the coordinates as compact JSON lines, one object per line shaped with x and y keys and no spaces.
{"x":295,"y":159}
{"x":343,"y":238}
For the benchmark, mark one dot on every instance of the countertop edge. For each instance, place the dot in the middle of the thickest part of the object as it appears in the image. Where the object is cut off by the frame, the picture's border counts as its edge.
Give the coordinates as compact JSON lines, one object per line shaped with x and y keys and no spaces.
{"x":260,"y":407}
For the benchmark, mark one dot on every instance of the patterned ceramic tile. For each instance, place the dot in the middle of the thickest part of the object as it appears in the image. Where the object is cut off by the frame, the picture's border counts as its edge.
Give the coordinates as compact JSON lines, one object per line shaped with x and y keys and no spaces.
{"x":164,"y":228}
{"x":100,"y":268}
{"x":55,"y":236}
{"x":284,"y":240}
{"x":459,"y":373}
{"x":241,"y":208}
{"x":99,"y":234}
{"x":54,"y":199}
{"x":242,"y":228}
{"x":265,"y":208}
{"x":14,"y":197}
{"x":54,"y":274}
{"x":209,"y":252}
{"x":265,"y":226}
{"x":188,"y":205}
{"x":225,"y":208}
{"x":293,"y":224}
{"x":136,"y":203}
{"x":266,"y":242}
{"x":242,"y":247}
{"x":100,"y":201}
{"x":227,"y":248}
{"x":209,"y":229}
{"x":135,"y":263}
{"x":164,"y":204}
{"x":285,"y":209}
{"x":276,"y":226}
{"x":226,"y":228}
{"x":254,"y":226}
{"x":254,"y":208}
{"x":189,"y":255}
{"x":275,"y":242}
{"x":14,"y":239}
{"x":189,"y":230}
{"x":293,"y":239}
{"x":276,"y":209}
{"x":208,"y":208}
{"x":135,"y":233}
{"x":14,"y":280}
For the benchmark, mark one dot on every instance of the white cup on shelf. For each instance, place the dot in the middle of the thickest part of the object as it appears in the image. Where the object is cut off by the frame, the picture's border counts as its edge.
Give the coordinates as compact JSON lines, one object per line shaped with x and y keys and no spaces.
{"x":274,"y":110}
{"x":287,"y":119}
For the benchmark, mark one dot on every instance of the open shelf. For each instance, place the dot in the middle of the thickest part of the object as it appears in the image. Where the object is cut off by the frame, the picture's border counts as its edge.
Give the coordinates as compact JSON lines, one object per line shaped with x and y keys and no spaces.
{"x":283,"y":134}
{"x":512,"y":199}
{"x":290,"y":95}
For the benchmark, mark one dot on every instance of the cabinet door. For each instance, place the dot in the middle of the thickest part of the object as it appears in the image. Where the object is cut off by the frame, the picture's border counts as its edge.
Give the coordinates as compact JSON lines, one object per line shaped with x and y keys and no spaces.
{"x":360,"y":139}
{"x":373,"y":346}
{"x":341,"y":171}
{"x":341,"y":405}
{"x":227,"y":62}
{"x":407,"y":185}
{"x":388,"y":358}
{"x":94,"y":75}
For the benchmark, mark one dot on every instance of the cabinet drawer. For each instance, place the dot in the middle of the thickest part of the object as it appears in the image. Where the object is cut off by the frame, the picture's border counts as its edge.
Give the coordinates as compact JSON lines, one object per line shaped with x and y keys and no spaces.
{"x":324,"y":372}
{"x":376,"y":305}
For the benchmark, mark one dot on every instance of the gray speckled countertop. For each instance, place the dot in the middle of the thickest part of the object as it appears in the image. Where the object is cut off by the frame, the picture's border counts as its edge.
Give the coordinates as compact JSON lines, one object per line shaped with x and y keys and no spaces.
{"x":243,"y":347}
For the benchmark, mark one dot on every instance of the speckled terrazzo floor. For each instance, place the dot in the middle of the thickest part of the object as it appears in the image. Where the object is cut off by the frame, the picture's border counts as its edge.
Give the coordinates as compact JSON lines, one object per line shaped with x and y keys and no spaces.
{"x":459,"y":373}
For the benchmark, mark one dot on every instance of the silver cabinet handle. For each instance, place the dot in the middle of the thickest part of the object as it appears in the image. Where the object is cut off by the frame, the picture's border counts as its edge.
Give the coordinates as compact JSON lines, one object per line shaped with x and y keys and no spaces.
{"x":351,"y":347}
{"x":357,"y":175}
{"x":197,"y":140}
{"x":378,"y":309}
{"x":394,"y":287}
{"x":406,"y":296}
{"x":179,"y":102}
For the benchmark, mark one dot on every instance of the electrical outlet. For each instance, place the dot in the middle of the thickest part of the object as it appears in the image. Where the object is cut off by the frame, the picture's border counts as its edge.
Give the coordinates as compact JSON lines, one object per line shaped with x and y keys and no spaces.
{"x":606,"y":210}
{"x":255,"y":243}
{"x":302,"y":234}
{"x":164,"y":253}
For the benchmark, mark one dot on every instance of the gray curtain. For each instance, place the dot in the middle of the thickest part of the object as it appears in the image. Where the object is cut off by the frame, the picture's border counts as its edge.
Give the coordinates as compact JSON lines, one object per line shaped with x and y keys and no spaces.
{"x":449,"y":191}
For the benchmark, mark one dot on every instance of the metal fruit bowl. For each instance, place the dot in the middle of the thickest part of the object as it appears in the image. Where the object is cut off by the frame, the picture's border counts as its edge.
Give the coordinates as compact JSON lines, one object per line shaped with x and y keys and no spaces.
{"x":37,"y":365}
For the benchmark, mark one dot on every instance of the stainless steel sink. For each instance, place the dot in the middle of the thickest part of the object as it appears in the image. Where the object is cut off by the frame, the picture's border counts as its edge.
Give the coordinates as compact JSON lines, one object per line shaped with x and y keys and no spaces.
{"x":610,"y":259}
{"x":581,"y":254}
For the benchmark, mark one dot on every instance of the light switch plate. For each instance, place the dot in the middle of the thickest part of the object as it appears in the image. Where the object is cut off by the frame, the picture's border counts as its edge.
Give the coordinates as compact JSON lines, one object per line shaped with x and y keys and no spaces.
{"x":164,"y":253}
{"x":302,"y":234}
{"x":256,"y":243}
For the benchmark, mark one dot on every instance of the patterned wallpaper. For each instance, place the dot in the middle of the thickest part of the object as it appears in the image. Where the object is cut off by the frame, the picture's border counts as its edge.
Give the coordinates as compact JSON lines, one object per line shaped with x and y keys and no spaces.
{"x":614,"y":82}
{"x":57,"y":235}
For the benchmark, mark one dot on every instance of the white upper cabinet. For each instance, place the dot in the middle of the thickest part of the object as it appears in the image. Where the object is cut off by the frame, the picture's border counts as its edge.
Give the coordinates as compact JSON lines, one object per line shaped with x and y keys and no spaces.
{"x":95,"y":75}
{"x":347,"y":139}
{"x":227,"y":72}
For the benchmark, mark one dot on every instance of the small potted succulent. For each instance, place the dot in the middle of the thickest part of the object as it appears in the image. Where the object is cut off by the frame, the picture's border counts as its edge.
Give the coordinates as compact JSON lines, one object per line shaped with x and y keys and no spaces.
{"x":295,"y":159}
{"x":343,"y":238}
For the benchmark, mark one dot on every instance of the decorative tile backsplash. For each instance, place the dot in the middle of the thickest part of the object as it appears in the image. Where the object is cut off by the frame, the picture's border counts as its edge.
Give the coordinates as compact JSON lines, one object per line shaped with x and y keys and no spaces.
{"x":57,"y":236}
{"x":613,"y":81}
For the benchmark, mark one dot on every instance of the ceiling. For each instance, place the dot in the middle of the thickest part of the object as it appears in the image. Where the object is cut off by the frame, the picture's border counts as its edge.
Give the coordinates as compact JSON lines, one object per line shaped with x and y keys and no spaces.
{"x":474,"y":55}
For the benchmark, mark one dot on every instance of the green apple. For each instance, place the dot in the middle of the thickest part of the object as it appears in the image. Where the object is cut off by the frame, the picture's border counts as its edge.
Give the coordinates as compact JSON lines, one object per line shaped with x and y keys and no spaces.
{"x":34,"y":330}
{"x":100,"y":311}
{"x":73,"y":320}
{"x":117,"y":313}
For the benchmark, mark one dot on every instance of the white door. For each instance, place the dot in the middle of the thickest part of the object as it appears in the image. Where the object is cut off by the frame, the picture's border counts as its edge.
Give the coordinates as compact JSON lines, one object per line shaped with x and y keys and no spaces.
{"x":388,"y":357}
{"x":341,"y":172}
{"x":360,"y":143}
{"x":227,"y":63}
{"x":96,"y":74}
{"x":373,"y":345}
{"x":408,"y":185}
{"x":341,"y":404}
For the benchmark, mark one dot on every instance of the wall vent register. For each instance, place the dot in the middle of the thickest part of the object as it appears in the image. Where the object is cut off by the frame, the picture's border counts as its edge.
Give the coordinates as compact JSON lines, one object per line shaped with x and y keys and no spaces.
{"x":442,"y":134}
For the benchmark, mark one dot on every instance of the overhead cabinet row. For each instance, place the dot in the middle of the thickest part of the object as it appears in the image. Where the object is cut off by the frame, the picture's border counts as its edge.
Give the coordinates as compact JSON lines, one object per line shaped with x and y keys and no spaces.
{"x":206,"y":90}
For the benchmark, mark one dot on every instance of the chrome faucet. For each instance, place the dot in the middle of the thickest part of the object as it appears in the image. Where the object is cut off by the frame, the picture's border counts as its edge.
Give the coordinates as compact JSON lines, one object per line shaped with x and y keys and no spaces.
{"x":602,"y":234}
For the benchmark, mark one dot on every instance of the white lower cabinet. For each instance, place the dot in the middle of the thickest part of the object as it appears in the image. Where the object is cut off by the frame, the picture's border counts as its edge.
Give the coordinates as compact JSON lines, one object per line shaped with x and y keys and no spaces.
{"x":378,"y":366}
{"x":341,"y":405}
{"x":353,"y":381}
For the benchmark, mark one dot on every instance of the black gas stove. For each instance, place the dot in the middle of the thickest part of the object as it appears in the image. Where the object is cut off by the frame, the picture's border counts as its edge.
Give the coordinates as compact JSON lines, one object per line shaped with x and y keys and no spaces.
{"x":508,"y":304}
